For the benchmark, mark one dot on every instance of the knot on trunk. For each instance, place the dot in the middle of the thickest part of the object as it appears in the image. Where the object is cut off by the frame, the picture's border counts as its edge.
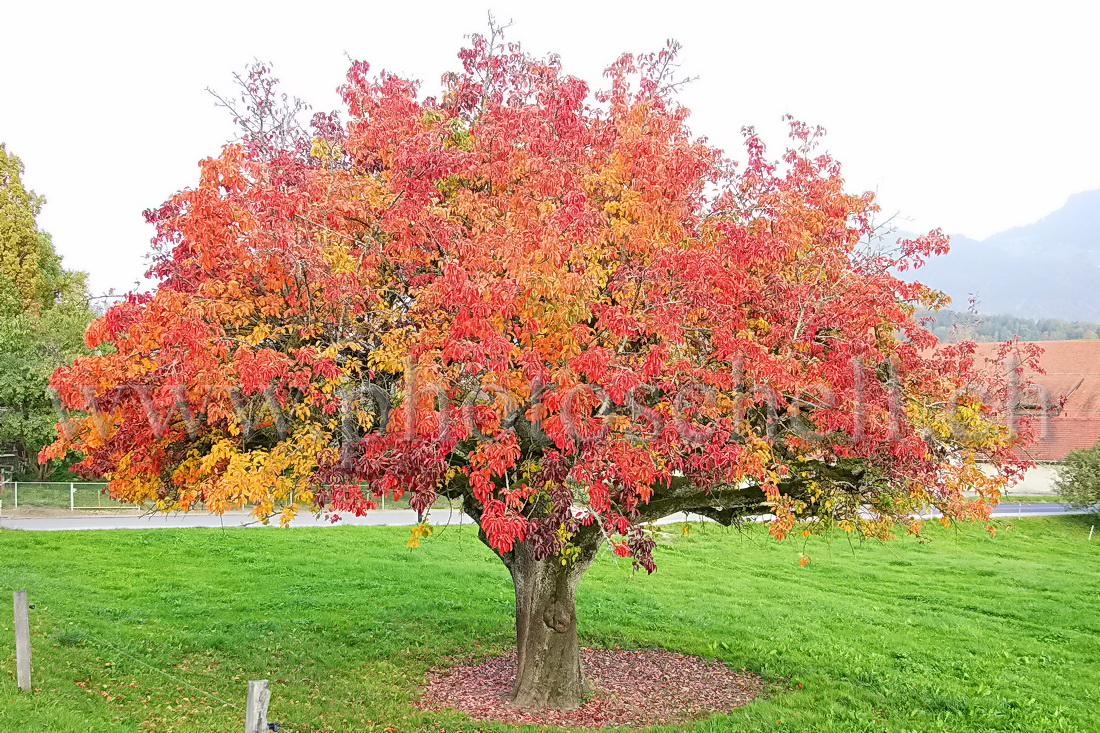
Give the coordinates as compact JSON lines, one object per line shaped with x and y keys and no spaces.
{"x":558,"y":617}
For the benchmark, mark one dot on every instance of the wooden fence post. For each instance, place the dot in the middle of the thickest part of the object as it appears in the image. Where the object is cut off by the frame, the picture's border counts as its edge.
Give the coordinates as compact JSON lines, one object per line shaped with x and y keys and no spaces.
{"x":22,"y":640}
{"x":255,"y":716}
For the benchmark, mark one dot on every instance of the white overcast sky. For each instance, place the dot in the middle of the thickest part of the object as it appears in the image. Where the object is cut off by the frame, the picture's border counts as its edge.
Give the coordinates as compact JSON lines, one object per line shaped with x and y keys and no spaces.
{"x":972,"y":116}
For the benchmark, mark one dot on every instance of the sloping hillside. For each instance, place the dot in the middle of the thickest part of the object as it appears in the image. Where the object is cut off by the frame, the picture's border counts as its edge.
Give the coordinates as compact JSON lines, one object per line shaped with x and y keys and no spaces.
{"x":1049,"y":269}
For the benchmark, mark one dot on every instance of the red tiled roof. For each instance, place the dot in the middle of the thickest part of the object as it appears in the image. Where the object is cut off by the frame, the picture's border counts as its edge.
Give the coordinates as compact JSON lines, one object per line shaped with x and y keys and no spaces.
{"x":1073,"y":375}
{"x":1062,"y":434}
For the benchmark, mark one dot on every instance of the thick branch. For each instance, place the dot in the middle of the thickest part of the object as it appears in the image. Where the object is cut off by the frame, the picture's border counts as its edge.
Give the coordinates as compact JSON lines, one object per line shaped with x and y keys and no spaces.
{"x":727,"y":504}
{"x":724,"y":505}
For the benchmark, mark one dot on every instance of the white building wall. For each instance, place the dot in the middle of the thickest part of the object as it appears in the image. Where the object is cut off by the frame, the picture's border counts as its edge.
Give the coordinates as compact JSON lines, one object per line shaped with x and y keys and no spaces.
{"x":1038,"y":481}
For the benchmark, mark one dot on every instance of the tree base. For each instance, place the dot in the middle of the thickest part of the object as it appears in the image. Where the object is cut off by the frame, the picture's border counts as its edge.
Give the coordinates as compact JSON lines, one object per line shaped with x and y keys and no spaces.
{"x":635,"y":688}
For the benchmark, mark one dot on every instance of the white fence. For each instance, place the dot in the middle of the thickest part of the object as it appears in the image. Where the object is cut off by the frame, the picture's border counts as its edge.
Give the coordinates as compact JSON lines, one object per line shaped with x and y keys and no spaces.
{"x":84,"y":496}
{"x":73,"y":495}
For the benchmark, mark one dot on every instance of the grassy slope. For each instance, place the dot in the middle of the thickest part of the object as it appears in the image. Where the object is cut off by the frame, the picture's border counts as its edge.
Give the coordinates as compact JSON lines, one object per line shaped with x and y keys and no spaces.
{"x":965,"y":633}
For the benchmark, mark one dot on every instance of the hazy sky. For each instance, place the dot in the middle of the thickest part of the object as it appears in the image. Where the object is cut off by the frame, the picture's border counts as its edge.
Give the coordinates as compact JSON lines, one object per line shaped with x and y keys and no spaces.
{"x":972,"y":116}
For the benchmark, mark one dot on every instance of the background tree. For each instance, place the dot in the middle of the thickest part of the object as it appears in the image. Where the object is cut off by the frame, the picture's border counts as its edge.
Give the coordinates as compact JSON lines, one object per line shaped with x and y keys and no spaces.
{"x":1078,"y":479}
{"x":556,"y":305}
{"x":25,"y":266}
{"x":43,"y":314}
{"x":954,"y":326}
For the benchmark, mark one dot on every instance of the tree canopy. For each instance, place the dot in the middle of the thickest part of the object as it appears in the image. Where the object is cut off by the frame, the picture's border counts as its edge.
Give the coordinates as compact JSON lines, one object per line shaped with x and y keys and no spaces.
{"x":43,"y":313}
{"x":554,"y":303}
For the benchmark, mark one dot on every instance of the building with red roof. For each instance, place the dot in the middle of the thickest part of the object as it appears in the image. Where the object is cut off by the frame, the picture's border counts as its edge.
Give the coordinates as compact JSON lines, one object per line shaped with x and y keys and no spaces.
{"x":1065,"y":402}
{"x":1066,"y":399}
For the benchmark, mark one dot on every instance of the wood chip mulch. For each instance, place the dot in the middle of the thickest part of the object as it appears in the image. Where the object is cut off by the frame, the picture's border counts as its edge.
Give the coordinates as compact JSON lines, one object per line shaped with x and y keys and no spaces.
{"x":635,"y":688}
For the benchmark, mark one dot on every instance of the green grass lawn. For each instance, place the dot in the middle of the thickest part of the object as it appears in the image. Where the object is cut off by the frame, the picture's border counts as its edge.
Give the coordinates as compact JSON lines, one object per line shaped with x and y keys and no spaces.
{"x":964,"y":633}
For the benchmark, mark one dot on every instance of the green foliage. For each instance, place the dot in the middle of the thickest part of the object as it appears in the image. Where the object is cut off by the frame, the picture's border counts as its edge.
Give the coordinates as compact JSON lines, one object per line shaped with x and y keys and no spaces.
{"x":1079,"y":478}
{"x":21,"y":281}
{"x":43,"y":313}
{"x":952,"y":326}
{"x":964,"y":633}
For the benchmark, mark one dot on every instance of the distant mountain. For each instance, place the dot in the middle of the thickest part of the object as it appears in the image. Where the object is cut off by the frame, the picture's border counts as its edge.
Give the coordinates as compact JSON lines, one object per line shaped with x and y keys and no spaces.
{"x":1049,"y":269}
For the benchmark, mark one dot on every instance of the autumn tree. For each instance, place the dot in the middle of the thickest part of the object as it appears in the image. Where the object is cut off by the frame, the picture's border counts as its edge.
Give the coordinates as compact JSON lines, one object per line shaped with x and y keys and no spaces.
{"x":555,"y":304}
{"x":43,"y":314}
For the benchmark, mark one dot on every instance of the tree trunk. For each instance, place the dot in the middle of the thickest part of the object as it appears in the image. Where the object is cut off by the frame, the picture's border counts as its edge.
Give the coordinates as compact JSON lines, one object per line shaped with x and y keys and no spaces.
{"x":548,"y":671}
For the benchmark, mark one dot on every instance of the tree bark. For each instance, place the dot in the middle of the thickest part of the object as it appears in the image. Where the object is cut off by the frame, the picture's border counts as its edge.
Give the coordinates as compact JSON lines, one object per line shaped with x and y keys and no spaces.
{"x":548,"y":671}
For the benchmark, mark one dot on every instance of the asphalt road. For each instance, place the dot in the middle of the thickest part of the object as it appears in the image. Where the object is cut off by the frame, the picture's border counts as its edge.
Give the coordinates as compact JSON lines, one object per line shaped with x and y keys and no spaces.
{"x":395,"y":518}
{"x":1034,"y":509}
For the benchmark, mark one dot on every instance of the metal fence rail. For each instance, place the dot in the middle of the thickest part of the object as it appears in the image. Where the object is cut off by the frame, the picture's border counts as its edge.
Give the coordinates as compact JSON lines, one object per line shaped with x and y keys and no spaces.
{"x":72,"y":495}
{"x":91,"y":495}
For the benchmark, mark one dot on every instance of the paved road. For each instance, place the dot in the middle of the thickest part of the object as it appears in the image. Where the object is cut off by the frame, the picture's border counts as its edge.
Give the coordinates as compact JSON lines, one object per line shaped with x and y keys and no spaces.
{"x":395,"y":518}
{"x":1034,"y":509}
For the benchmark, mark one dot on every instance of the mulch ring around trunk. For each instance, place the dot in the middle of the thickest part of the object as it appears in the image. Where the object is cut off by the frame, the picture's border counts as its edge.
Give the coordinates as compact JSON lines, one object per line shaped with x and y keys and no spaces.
{"x":636,"y":688}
